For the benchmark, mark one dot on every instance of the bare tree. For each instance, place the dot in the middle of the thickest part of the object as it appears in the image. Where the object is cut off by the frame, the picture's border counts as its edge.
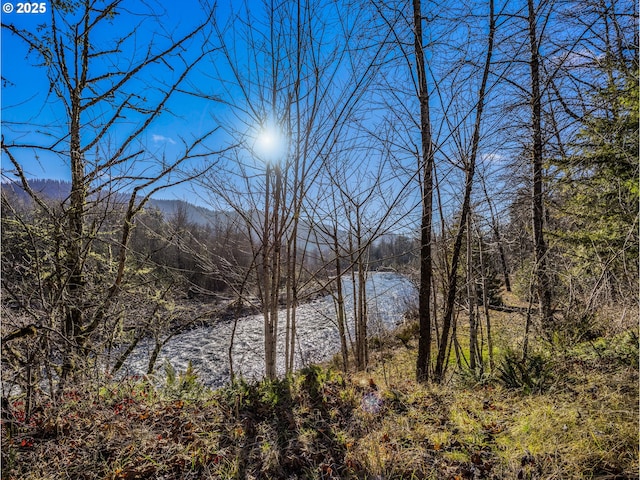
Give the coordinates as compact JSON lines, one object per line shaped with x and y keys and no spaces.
{"x":540,"y":247}
{"x":470,"y":167}
{"x":290,"y":89}
{"x":426,"y":168}
{"x":106,"y":90}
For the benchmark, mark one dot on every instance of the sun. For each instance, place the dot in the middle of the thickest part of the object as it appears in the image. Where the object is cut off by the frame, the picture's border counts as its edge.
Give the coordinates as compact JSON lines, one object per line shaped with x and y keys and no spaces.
{"x":270,"y":144}
{"x":268,"y":140}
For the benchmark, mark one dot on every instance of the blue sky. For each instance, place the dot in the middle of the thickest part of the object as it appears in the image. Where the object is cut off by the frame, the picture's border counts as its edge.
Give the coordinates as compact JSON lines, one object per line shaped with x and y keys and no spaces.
{"x":32,"y":114}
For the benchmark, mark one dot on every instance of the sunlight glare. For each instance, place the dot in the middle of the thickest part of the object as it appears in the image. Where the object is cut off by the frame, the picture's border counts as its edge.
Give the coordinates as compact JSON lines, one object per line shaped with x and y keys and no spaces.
{"x":271,"y":144}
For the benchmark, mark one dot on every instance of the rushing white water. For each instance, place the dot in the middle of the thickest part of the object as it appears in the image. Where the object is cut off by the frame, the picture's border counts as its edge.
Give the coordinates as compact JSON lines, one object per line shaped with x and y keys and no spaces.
{"x":388,"y":297}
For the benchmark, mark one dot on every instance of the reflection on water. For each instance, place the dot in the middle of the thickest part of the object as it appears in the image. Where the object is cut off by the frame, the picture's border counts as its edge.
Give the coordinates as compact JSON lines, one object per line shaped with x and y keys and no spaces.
{"x":388,"y":295}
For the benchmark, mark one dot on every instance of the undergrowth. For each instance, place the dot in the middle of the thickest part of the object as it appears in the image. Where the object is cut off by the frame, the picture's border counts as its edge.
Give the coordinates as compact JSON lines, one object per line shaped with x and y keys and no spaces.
{"x":564,"y":415}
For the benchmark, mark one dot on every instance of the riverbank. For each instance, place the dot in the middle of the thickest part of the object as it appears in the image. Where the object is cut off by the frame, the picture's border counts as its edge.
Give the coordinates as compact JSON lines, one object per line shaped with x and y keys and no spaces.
{"x":580,"y":423}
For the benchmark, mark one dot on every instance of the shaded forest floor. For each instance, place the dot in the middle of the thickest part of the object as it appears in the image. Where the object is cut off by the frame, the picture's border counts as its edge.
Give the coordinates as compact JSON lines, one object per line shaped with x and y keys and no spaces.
{"x":571,"y":413}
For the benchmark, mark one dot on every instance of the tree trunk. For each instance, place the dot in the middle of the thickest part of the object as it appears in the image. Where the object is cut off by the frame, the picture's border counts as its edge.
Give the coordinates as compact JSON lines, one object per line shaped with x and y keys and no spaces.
{"x":275,"y":260}
{"x":466,"y":205}
{"x":73,"y":318}
{"x":344,"y":349}
{"x":426,"y":165}
{"x":542,"y":278}
{"x":485,"y":306}
{"x":472,"y":301}
{"x":269,"y":347}
{"x":495,"y":226}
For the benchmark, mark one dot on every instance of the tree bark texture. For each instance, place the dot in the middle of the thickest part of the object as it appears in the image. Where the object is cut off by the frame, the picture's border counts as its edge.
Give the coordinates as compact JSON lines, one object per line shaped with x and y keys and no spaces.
{"x":426,"y":165}
{"x":540,"y":247}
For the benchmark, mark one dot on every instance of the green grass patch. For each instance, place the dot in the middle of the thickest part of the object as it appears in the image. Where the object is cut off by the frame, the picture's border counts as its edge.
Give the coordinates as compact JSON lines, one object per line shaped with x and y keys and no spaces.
{"x":320,"y":423}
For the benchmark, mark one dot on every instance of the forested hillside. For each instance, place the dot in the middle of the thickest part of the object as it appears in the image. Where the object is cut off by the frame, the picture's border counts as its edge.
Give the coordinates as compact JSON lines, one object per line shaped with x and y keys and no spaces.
{"x":486,"y":150}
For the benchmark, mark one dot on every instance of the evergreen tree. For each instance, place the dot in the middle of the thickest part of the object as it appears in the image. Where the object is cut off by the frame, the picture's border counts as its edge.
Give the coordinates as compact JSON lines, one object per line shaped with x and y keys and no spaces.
{"x":597,"y":208}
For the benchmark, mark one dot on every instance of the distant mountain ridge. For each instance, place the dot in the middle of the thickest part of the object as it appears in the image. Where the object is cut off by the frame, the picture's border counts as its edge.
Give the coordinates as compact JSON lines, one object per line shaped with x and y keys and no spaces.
{"x":59,"y":190}
{"x":52,"y":189}
{"x":195,"y":214}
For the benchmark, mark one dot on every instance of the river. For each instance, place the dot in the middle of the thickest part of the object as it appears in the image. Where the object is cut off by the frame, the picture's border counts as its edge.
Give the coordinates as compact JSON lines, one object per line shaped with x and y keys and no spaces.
{"x":388,"y":297}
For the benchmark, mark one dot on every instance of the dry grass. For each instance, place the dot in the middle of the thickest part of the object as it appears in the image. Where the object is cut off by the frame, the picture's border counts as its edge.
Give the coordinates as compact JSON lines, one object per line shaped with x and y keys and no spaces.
{"x":322,"y":424}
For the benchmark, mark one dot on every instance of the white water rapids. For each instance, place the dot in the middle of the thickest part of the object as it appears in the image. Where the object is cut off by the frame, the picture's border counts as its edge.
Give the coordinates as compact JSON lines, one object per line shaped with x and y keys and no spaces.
{"x":388,"y":297}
